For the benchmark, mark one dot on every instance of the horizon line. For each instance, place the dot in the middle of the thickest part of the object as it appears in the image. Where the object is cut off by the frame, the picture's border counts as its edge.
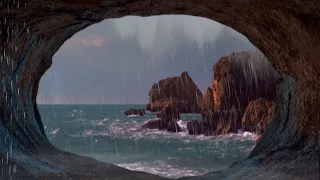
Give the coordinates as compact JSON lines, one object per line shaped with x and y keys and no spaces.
{"x":89,"y":104}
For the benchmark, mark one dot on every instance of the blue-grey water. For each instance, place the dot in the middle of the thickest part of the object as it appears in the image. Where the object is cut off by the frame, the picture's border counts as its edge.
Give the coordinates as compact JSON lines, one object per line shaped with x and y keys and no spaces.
{"x":105,"y":133}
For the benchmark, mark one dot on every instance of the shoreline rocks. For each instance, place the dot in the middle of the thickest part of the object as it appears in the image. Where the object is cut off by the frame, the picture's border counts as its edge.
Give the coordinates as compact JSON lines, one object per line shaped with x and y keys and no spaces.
{"x":139,"y":112}
{"x":217,"y":123}
{"x":257,"y":116}
{"x":240,"y":81}
{"x":168,"y":118}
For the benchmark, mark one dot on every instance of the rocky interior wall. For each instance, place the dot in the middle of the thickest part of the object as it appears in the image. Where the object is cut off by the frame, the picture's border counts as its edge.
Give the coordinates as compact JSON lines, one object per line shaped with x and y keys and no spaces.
{"x":287,"y":32}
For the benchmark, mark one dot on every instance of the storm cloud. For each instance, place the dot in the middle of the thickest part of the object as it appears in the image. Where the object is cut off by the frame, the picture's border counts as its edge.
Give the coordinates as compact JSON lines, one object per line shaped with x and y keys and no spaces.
{"x":118,"y":60}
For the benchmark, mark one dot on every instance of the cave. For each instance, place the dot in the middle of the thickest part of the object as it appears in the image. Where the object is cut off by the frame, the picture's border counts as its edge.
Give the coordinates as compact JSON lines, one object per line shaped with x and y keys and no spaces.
{"x":288,"y":33}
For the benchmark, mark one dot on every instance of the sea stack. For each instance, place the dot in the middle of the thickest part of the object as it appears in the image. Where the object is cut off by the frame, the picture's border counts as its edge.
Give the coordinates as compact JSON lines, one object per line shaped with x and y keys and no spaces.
{"x":172,"y":96}
{"x":239,"y":79}
{"x":179,"y":91}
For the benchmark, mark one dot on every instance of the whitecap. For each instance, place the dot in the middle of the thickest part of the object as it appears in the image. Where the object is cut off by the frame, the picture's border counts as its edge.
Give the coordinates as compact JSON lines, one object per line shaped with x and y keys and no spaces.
{"x":94,"y":133}
{"x":55,"y":131}
{"x":164,"y":169}
{"x":99,"y":124}
{"x":182,"y":124}
{"x":133,"y":115}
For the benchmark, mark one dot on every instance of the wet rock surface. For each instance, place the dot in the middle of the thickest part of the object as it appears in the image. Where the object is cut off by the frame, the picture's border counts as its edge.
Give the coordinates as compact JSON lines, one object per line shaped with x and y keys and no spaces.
{"x":257,"y":116}
{"x":168,"y":118}
{"x":207,"y":105}
{"x":242,"y":77}
{"x":139,"y":112}
{"x":222,"y":122}
{"x":238,"y":80}
{"x":169,"y":112}
{"x":195,"y":127}
{"x":287,"y":32}
{"x":180,"y":91}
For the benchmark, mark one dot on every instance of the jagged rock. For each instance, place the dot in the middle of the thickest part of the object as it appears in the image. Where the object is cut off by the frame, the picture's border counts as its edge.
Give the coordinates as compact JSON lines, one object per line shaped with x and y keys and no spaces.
{"x":223,"y":122}
{"x":173,"y":127}
{"x":242,"y":77}
{"x":207,"y":104}
{"x":237,"y":79}
{"x":139,"y":112}
{"x":257,"y":115}
{"x":180,"y":91}
{"x":169,"y":113}
{"x":168,"y":117}
{"x":287,"y":32}
{"x":156,"y":124}
{"x":228,"y":121}
{"x":217,"y":123}
{"x":195,"y":127}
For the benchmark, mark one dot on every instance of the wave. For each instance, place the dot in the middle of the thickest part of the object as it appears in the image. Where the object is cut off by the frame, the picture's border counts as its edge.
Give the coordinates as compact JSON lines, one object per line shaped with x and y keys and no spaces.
{"x":132,"y":129}
{"x":134,"y":115}
{"x":182,"y":124}
{"x":55,"y":131}
{"x":164,"y":169}
{"x":94,"y":133}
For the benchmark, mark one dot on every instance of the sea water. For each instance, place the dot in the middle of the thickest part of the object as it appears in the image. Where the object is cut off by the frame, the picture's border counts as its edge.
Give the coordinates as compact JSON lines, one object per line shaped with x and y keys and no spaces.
{"x":106,"y":134}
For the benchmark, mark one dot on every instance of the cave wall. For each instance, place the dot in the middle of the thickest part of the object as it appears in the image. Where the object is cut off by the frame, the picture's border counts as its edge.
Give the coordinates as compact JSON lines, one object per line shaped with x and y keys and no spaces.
{"x":287,"y":32}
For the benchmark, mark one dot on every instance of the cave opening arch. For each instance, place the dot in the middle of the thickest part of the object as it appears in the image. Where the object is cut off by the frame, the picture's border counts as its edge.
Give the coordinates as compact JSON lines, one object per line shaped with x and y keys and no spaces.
{"x":76,"y":83}
{"x":288,"y":36}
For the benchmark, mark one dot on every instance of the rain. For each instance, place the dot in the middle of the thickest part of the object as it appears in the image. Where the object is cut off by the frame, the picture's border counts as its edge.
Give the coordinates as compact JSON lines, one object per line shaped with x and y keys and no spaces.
{"x":122,"y":91}
{"x":110,"y":67}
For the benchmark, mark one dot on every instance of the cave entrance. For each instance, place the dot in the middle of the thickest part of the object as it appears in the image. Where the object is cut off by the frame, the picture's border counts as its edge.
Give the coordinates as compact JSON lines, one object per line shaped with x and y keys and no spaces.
{"x":110,"y":67}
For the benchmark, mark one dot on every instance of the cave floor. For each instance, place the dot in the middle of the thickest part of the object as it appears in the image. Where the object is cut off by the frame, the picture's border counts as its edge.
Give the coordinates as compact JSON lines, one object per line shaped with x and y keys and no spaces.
{"x":64,"y":165}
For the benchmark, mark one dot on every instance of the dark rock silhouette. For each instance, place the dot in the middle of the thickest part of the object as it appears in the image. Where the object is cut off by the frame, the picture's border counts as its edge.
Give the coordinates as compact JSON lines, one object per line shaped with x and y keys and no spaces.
{"x":139,"y":112}
{"x":156,"y":124}
{"x":180,"y":91}
{"x":173,"y":127}
{"x":169,"y":112}
{"x":168,"y":118}
{"x":223,"y":122}
{"x":195,"y":127}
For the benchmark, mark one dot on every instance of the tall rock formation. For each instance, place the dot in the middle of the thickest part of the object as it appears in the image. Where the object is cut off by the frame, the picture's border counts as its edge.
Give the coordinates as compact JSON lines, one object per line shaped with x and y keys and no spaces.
{"x":242,"y":77}
{"x":180,"y":91}
{"x":238,"y":79}
{"x":207,"y":101}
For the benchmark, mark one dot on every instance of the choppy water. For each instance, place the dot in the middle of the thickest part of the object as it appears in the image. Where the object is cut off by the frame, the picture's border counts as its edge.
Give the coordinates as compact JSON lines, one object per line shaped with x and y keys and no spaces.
{"x":103,"y":132}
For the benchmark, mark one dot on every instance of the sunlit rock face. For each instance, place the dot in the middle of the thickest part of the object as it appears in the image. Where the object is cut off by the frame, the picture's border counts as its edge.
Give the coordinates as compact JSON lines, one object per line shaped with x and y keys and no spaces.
{"x":287,"y":32}
{"x":242,"y":77}
{"x":257,"y":116}
{"x":207,"y":104}
{"x":238,"y":79}
{"x":180,"y":91}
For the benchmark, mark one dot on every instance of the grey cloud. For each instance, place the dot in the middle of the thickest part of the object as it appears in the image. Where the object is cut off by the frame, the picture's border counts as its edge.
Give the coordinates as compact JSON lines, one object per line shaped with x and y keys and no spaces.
{"x":135,"y":53}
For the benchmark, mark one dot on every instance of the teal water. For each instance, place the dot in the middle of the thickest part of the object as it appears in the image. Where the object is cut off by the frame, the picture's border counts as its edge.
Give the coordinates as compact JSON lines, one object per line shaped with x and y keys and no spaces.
{"x":104,"y":133}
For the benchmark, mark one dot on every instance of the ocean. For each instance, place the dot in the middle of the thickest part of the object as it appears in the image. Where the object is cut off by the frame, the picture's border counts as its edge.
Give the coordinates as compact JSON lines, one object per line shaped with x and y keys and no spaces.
{"x":106,"y":134}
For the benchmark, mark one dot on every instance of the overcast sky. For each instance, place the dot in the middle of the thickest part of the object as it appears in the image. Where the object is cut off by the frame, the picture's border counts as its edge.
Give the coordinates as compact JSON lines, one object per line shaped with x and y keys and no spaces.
{"x":118,"y":60}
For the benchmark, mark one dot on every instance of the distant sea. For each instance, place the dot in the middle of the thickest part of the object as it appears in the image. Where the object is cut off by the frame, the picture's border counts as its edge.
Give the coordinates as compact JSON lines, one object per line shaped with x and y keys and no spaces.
{"x":106,"y":134}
